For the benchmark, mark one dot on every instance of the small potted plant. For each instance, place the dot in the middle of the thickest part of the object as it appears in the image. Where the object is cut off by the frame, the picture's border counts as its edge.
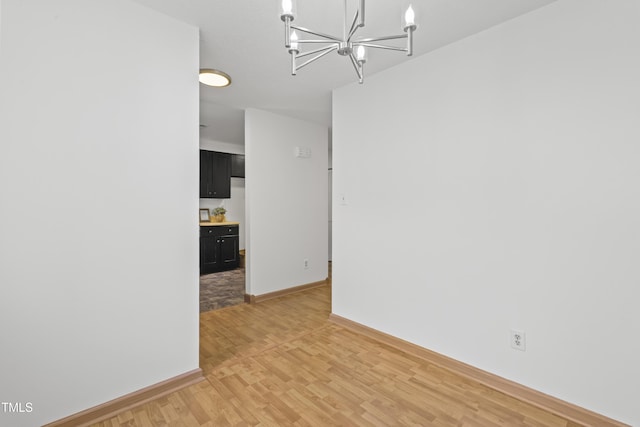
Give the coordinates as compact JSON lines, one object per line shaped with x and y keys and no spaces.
{"x":218,"y":214}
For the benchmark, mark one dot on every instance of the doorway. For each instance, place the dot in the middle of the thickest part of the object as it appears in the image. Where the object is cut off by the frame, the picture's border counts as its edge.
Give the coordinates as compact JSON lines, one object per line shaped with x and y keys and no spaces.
{"x":219,"y":289}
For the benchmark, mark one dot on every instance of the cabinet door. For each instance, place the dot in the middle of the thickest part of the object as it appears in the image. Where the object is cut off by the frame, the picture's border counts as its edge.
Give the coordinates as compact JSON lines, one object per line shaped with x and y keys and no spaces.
{"x":209,"y":254}
{"x":229,"y":253}
{"x":237,"y":165}
{"x":215,"y":175}
{"x":206,"y":173}
{"x":221,"y":175}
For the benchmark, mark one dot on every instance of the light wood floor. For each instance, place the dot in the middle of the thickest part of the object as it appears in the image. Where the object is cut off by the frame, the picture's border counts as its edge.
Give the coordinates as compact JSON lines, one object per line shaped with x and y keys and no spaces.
{"x":281,"y":363}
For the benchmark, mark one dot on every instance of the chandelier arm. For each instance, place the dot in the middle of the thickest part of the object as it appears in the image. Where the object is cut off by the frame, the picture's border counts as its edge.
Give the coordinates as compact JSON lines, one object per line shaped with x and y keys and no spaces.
{"x":356,"y":67}
{"x":317,"y":41}
{"x":379,"y":39}
{"x":330,"y":49}
{"x":322,"y":49}
{"x":380,"y":46}
{"x":293,"y":62}
{"x":354,"y":26}
{"x":287,"y":32}
{"x":315,"y":33}
{"x":410,"y":29}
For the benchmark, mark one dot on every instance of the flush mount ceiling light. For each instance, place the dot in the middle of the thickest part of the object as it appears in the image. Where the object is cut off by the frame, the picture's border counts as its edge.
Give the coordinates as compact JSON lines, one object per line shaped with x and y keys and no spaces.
{"x":215,"y":78}
{"x":347,"y":45}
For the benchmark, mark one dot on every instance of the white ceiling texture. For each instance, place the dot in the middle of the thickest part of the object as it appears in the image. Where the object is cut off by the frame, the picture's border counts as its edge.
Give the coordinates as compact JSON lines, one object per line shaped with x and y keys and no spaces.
{"x":245,"y":39}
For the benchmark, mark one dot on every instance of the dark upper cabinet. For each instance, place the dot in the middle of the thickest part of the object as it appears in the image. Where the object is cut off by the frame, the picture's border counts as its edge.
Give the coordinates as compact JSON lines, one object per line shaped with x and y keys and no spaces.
{"x":237,"y":165}
{"x":215,"y":175}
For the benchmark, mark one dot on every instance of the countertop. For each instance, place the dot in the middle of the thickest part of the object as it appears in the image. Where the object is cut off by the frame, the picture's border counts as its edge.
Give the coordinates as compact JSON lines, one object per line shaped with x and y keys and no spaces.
{"x":218,"y":224}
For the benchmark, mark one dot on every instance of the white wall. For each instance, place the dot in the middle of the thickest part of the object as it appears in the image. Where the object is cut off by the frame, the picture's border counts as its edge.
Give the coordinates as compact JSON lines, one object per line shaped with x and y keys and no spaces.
{"x":234,"y":205}
{"x":330,"y":197}
{"x":286,"y":202}
{"x":98,"y":186}
{"x":494,"y":184}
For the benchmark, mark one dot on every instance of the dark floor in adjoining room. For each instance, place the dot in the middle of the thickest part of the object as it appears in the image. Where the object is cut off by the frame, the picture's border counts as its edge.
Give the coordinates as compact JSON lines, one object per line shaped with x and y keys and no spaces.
{"x":223,"y":289}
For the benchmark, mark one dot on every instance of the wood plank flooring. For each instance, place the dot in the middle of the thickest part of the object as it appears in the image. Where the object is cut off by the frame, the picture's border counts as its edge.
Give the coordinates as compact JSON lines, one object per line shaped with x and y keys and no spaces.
{"x":282,"y":363}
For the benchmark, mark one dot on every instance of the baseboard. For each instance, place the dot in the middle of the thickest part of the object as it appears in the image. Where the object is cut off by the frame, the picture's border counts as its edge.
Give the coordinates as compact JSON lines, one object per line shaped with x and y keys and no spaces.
{"x":128,"y":401}
{"x":253,"y":299}
{"x":548,"y":403}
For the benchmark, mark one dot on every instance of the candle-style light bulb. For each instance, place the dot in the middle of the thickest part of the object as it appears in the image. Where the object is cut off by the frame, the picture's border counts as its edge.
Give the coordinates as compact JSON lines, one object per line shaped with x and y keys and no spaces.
{"x":288,"y":10}
{"x":287,"y":7}
{"x":361,"y":54}
{"x":409,"y":17}
{"x":294,"y":40}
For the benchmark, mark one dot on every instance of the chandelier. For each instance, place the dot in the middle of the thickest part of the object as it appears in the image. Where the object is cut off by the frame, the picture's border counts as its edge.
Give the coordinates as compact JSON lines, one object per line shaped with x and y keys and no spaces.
{"x":347,"y":45}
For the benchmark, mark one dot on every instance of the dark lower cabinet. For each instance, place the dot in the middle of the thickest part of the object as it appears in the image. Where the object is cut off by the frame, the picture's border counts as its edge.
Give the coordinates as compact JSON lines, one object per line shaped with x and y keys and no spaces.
{"x":219,"y":248}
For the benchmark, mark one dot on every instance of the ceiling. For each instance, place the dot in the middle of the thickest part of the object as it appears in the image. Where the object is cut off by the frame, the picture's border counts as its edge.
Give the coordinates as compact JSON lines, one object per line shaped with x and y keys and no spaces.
{"x":245,"y":39}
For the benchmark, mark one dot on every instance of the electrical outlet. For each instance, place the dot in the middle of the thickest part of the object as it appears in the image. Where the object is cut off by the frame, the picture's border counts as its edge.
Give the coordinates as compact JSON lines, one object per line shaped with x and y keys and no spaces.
{"x":306,"y":263}
{"x":518,"y":340}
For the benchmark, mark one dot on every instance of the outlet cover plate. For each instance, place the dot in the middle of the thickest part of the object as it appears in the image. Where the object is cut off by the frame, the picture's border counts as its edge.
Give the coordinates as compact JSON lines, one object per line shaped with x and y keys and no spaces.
{"x":518,"y":340}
